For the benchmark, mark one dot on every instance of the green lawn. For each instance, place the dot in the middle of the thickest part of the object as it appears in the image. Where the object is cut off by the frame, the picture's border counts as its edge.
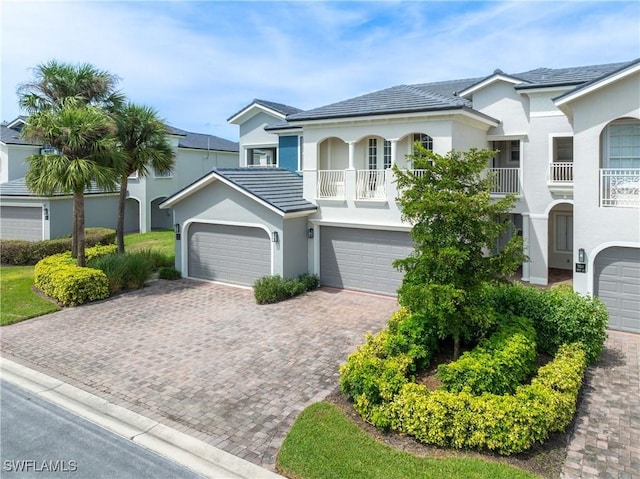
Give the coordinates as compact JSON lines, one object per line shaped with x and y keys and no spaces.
{"x":18,"y":301}
{"x":163,"y":241}
{"x":324,"y":443}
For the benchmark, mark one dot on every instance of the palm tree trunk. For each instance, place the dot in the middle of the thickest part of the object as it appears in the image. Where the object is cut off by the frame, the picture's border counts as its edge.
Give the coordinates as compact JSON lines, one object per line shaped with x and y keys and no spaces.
{"x":78,"y":203}
{"x":74,"y":229}
{"x":121,"y":207}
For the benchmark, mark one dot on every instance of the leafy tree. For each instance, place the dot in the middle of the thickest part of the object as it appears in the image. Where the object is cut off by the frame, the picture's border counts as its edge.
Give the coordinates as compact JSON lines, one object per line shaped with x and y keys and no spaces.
{"x":54,"y":87}
{"x":142,"y":138}
{"x":456,"y":225}
{"x":83,"y":138}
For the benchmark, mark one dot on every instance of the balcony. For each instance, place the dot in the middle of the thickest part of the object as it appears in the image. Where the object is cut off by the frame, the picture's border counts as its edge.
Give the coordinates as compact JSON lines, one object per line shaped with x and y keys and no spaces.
{"x":560,"y":177}
{"x":371,"y":184}
{"x":620,"y":187}
{"x":506,"y":181}
{"x":331,"y":184}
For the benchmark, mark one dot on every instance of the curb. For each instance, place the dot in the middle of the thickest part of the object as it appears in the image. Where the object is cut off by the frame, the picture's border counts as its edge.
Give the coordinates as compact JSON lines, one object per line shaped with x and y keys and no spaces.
{"x":179,"y":447}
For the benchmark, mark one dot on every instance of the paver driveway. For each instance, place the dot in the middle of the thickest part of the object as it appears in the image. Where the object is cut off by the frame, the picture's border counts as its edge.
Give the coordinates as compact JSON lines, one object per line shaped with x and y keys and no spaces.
{"x":204,"y":358}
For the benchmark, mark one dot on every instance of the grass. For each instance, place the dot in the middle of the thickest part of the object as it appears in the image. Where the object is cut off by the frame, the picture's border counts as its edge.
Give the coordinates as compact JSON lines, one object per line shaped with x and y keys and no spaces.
{"x":163,"y":241}
{"x":18,"y":301}
{"x":323,"y":443}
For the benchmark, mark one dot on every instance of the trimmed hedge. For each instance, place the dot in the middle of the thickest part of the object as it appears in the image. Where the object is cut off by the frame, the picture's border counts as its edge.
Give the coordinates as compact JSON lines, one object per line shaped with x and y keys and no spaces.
{"x":19,"y":252}
{"x":59,"y":277}
{"x":560,"y":316}
{"x":272,"y":289}
{"x":497,"y":365}
{"x":507,"y":424}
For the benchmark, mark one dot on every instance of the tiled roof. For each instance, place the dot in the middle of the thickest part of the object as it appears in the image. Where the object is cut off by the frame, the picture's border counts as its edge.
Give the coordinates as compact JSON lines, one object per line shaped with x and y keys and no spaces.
{"x":277,"y":107}
{"x":9,"y":136}
{"x":397,"y":99}
{"x":201,"y":141}
{"x":279,"y":187}
{"x":19,"y":188}
{"x":443,"y":95}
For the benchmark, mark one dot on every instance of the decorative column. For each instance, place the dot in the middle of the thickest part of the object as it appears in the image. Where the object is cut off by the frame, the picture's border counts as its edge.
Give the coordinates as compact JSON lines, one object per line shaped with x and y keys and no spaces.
{"x":394,"y":147}
{"x":352,"y":155}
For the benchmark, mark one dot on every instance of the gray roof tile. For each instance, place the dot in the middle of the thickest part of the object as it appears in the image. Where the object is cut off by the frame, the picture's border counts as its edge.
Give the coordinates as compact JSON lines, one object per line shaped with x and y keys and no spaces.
{"x":201,"y":141}
{"x":9,"y":136}
{"x":19,"y":188}
{"x":279,"y":187}
{"x":279,"y":107}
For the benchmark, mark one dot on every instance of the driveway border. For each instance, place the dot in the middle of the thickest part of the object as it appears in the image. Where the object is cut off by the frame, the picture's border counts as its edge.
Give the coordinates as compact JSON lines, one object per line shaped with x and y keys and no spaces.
{"x":181,"y":448}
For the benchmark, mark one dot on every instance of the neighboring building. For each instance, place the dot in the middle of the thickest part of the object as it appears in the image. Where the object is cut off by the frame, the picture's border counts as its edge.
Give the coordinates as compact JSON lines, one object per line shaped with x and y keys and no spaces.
{"x":24,"y":215}
{"x":569,"y":142}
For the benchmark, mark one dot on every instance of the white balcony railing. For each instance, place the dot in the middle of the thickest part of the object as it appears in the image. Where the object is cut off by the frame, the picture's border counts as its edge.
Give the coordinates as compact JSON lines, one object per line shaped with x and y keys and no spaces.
{"x":505,"y":180}
{"x":371,"y":185}
{"x":331,"y":184}
{"x":620,"y":187}
{"x":561,"y":172}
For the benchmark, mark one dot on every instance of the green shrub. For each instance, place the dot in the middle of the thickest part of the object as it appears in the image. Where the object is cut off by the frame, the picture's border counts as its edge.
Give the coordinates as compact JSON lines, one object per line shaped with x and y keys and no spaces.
{"x":19,"y":252}
{"x":503,"y":423}
{"x":560,"y":316}
{"x":272,"y":289}
{"x":169,"y":272}
{"x":156,"y":258}
{"x":59,"y":277}
{"x":126,"y":271}
{"x":497,"y":365}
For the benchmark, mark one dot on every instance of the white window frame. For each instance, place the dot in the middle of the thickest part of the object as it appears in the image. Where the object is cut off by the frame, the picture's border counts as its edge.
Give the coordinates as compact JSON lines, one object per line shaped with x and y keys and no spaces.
{"x":372,"y":154}
{"x":606,"y":146}
{"x":387,"y":161}
{"x":162,"y":176}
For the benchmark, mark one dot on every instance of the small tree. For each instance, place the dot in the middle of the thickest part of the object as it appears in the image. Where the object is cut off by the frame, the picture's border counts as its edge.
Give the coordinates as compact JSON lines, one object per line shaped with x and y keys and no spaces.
{"x":142,"y":139}
{"x":456,"y":225}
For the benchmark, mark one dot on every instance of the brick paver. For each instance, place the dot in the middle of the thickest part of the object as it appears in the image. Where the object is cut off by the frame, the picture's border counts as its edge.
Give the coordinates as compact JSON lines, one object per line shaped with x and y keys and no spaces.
{"x":605,"y":441}
{"x":204,"y":358}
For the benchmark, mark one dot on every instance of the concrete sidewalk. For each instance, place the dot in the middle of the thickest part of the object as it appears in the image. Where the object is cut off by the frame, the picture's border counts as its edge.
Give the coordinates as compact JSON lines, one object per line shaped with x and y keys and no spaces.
{"x":192,"y":453}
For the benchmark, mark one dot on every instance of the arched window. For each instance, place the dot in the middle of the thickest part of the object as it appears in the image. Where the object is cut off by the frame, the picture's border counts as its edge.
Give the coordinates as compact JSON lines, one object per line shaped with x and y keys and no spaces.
{"x":425,"y":141}
{"x":621,"y":145}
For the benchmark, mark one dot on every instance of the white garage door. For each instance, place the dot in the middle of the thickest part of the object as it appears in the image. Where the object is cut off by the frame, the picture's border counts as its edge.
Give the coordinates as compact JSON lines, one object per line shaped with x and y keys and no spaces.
{"x":617,"y":283}
{"x":362,"y":259}
{"x":19,"y":222}
{"x":231,"y":254}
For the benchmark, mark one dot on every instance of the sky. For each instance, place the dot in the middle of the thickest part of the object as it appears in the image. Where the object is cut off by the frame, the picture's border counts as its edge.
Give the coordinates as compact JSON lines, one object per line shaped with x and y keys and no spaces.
{"x":198,"y":63}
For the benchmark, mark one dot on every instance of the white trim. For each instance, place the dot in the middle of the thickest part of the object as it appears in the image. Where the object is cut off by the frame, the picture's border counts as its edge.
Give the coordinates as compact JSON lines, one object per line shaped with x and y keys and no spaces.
{"x":365,"y":226}
{"x":53,"y":198}
{"x":140,"y":206}
{"x":552,"y":205}
{"x":507,"y":137}
{"x":496,"y":77}
{"x":245,"y":112}
{"x":591,"y":258}
{"x":184,"y":239}
{"x":597,"y":85}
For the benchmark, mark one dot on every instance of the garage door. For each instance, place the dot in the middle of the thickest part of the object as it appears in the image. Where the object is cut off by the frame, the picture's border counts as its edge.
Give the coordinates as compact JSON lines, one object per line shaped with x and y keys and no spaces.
{"x":617,"y":283}
{"x":231,"y":254}
{"x":361,"y":259}
{"x":19,"y":222}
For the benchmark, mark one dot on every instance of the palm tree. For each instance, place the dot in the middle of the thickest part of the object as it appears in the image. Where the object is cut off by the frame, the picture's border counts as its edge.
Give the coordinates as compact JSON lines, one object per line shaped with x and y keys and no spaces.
{"x":56,"y":82}
{"x":142,"y":138}
{"x":54,"y":85}
{"x":84,"y":139}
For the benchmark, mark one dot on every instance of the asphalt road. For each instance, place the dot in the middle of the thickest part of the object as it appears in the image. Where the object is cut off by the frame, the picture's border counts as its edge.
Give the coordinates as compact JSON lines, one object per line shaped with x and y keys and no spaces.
{"x":40,"y":440}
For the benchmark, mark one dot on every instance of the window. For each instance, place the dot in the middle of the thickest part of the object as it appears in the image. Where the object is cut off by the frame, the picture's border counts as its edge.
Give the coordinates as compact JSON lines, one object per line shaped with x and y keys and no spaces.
{"x":387,"y":154}
{"x":265,"y":157}
{"x":425,"y":141}
{"x":563,"y":149}
{"x":514,"y":151}
{"x":621,"y":145}
{"x":564,"y":233}
{"x":372,"y":154}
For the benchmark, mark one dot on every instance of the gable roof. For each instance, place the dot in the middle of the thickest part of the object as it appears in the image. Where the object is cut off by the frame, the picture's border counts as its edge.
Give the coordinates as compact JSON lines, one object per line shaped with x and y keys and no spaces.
{"x":19,"y":188}
{"x":279,"y":110}
{"x":624,"y":70}
{"x":276,"y":188}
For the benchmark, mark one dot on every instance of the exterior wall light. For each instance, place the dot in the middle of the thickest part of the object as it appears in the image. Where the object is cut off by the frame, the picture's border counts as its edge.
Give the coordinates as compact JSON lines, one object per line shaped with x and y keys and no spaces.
{"x":45,"y":212}
{"x":581,"y":256}
{"x":274,"y":237}
{"x":310,"y":233}
{"x":176,"y":228}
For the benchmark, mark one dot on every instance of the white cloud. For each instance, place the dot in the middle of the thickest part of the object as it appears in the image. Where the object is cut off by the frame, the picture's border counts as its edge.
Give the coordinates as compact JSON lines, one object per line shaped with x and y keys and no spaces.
{"x":200,"y":62}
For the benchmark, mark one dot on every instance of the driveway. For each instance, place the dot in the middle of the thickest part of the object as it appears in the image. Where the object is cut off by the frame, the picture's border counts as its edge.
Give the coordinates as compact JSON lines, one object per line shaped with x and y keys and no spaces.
{"x":203,"y":358}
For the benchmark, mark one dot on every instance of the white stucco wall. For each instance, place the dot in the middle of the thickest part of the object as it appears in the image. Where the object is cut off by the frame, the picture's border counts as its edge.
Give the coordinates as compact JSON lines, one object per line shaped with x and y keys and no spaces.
{"x":253,"y":134}
{"x":12,"y":161}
